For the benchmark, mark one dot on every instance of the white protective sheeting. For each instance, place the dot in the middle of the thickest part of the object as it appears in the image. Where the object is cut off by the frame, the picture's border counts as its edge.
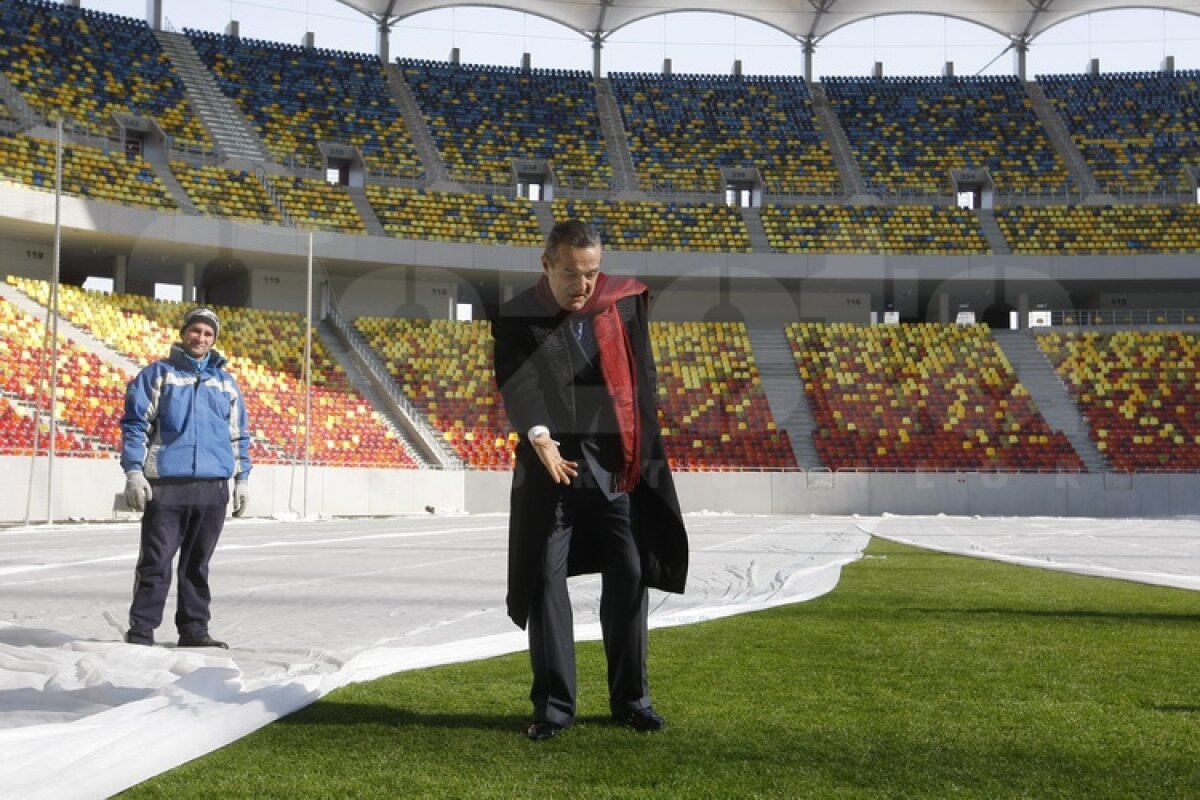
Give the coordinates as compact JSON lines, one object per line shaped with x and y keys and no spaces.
{"x":1162,"y":552}
{"x":311,"y":606}
{"x":306,"y":607}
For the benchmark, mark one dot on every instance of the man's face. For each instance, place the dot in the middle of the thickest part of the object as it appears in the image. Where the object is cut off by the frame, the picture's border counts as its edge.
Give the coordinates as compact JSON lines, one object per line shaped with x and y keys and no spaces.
{"x":572,"y":273}
{"x":197,"y":339}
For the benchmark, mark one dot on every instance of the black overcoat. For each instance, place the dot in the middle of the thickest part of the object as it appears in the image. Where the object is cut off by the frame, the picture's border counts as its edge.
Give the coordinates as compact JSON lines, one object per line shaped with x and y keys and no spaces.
{"x":536,"y":380}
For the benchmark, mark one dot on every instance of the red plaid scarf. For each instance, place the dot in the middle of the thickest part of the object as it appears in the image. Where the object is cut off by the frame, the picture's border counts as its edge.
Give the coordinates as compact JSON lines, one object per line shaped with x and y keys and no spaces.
{"x":617,"y":363}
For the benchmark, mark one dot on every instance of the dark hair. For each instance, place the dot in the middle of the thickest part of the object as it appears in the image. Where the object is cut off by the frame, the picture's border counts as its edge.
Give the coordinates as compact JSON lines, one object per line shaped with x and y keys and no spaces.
{"x":573,"y":233}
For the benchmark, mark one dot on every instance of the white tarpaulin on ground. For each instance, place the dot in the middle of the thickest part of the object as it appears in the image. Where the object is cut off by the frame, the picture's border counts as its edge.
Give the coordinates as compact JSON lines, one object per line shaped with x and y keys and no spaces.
{"x":311,"y":606}
{"x":306,"y":607}
{"x":1163,"y":552}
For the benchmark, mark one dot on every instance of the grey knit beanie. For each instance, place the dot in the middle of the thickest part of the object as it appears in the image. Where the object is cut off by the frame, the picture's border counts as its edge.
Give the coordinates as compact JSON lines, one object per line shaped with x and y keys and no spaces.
{"x":202,"y":315}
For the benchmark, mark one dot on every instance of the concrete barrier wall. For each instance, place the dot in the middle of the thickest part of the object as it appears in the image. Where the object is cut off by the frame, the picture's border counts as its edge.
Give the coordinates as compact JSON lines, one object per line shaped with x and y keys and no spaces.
{"x":90,"y":489}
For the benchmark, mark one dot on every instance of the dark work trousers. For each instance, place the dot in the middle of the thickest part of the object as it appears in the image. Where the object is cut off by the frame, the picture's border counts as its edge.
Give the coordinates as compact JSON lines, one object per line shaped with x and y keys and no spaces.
{"x":184,"y":517}
{"x":585,"y":511}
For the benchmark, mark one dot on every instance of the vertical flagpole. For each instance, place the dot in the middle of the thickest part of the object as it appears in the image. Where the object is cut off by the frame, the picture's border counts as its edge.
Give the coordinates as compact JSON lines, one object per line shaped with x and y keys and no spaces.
{"x":49,"y":350}
{"x":58,"y":170}
{"x":308,"y":322}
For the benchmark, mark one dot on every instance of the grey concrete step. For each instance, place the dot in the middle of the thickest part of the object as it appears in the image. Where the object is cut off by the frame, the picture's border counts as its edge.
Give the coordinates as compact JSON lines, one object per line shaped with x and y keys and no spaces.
{"x":615,"y":141}
{"x":229,"y":129}
{"x":831,"y":127}
{"x":992,"y":232}
{"x":1036,"y":374}
{"x":337,"y":350}
{"x":370,"y":219}
{"x":436,"y":174}
{"x":785,"y":391}
{"x":1060,"y":137}
{"x":752,"y":217}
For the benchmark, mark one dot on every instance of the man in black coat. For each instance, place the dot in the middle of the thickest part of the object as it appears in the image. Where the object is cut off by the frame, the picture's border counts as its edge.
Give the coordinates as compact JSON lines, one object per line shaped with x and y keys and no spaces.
{"x":592,"y":490}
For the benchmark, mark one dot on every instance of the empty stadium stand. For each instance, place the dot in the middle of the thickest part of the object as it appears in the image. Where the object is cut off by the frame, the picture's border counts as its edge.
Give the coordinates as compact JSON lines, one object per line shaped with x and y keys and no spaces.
{"x":315,"y":204}
{"x":83,"y":66}
{"x":298,"y":98}
{"x":1140,"y":391}
{"x":265,"y":352}
{"x":894,"y":398}
{"x":908,"y":134}
{"x":87,"y":393}
{"x":483,"y":117}
{"x":683,"y":128}
{"x":918,"y":230}
{"x":1135,"y":130}
{"x":1101,"y":230}
{"x":87,"y":172}
{"x":661,"y":226}
{"x":921,"y":397}
{"x":711,"y":404}
{"x":455,"y":217}
{"x":221,"y":192}
{"x":444,"y":368}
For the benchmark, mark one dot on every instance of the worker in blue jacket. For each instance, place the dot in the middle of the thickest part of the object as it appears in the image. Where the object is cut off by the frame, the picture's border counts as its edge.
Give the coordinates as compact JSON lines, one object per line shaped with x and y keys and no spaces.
{"x":183,"y":436}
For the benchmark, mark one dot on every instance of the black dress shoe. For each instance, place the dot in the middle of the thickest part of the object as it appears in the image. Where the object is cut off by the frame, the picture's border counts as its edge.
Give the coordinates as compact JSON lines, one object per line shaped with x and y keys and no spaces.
{"x":133,"y":637}
{"x":202,"y":640}
{"x":543,"y":730}
{"x":641,"y":719}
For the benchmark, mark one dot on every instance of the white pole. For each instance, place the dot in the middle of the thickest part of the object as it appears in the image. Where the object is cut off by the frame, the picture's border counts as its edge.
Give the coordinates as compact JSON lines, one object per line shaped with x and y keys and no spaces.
{"x":308,"y":322}
{"x":49,"y":335}
{"x":58,"y":170}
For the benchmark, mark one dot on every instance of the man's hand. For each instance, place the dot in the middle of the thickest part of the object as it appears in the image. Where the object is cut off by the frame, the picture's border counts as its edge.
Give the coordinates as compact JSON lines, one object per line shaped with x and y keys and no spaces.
{"x":561,"y":470}
{"x":241,"y":497}
{"x":137,"y":490}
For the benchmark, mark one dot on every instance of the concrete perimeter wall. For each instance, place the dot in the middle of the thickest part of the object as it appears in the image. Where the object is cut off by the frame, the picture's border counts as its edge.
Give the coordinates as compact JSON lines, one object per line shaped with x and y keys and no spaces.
{"x":90,"y":489}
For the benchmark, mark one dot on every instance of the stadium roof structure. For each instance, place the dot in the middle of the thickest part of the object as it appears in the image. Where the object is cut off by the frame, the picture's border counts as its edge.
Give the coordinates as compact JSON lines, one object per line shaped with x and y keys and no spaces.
{"x":807,"y":21}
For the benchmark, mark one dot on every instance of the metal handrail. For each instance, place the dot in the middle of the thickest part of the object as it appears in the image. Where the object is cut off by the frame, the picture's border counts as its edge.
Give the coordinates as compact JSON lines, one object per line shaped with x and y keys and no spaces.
{"x":387,"y":382}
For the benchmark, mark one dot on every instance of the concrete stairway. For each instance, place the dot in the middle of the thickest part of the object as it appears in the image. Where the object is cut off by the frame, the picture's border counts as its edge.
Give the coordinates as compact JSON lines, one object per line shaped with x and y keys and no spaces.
{"x":1061,"y":139}
{"x":66,"y":330}
{"x":233,"y":134}
{"x":358,"y":196}
{"x":785,"y":392}
{"x":369,"y":374}
{"x":991,"y":231}
{"x":754,"y":227}
{"x":624,"y":176}
{"x":545,"y":217}
{"x":162,"y":168}
{"x":436,"y":175}
{"x":1036,"y":374}
{"x":337,"y":349}
{"x":835,"y":135}
{"x":23,"y":115}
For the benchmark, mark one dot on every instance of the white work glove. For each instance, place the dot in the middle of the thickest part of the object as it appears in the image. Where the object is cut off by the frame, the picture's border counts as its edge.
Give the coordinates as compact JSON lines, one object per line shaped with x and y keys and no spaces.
{"x":137,"y":490}
{"x":241,"y":496}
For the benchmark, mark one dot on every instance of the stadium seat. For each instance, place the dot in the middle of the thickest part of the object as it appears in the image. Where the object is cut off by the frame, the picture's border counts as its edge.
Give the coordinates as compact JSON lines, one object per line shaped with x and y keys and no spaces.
{"x":1138,"y":390}
{"x":483,"y":117}
{"x":921,"y":397}
{"x":297,"y":97}
{"x":908,"y":134}
{"x":1135,"y":130}
{"x":85,"y":66}
{"x":682,"y":129}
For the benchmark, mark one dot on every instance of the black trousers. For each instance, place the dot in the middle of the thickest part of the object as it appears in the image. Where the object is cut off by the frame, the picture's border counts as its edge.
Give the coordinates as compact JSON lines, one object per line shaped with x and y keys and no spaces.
{"x":184,"y":517}
{"x":584,"y":511}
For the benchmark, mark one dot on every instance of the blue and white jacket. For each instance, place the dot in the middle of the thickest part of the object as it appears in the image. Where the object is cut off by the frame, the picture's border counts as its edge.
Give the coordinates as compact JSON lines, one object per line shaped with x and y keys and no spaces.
{"x":184,"y":422}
